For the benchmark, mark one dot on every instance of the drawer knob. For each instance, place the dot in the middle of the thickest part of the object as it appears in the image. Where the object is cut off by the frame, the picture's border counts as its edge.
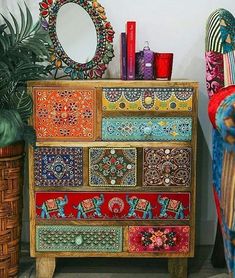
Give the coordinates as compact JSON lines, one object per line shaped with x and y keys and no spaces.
{"x":148,"y":130}
{"x":78,"y":240}
{"x":148,"y":100}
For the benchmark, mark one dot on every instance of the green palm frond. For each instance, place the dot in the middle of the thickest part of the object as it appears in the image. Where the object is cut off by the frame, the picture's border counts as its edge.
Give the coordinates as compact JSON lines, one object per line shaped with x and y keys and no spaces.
{"x":28,"y":37}
{"x":23,"y":53}
{"x":22,"y":102}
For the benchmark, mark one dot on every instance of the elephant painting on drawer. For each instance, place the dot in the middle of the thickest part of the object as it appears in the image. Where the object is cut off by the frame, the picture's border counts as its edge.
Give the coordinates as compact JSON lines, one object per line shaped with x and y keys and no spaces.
{"x":90,"y":205}
{"x":170,"y":205}
{"x":141,"y":205}
{"x":53,"y":205}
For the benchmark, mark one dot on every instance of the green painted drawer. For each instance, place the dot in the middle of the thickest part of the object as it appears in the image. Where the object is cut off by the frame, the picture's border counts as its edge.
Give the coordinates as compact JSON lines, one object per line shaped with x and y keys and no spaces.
{"x":79,"y":238}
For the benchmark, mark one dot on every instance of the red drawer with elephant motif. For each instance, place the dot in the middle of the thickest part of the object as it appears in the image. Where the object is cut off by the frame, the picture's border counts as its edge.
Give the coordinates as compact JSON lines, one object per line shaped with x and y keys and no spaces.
{"x":113,"y":206}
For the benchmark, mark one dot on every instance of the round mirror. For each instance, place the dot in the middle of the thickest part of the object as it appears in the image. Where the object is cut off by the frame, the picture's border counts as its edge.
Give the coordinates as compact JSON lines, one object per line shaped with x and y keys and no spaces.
{"x":76,"y":32}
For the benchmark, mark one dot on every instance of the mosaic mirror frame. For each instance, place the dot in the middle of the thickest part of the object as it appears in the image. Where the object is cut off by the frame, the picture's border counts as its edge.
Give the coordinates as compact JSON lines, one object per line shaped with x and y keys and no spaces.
{"x":61,"y":64}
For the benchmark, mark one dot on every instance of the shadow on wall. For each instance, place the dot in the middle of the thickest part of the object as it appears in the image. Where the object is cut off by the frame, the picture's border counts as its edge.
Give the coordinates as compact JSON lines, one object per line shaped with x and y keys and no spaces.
{"x":205,"y":209}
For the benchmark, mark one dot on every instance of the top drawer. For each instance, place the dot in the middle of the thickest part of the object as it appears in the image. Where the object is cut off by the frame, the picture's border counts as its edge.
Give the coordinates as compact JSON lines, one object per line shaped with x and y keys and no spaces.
{"x":148,"y":99}
{"x":61,"y":113}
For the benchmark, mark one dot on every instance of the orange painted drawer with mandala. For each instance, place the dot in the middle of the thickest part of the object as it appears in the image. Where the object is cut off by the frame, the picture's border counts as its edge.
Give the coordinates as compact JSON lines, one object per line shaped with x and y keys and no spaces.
{"x":64,"y":113}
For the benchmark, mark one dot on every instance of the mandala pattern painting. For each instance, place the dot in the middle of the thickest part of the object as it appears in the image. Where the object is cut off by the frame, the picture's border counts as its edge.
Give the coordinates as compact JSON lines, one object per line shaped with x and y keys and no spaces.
{"x":167,"y":166}
{"x":112,"y":166}
{"x":150,"y":99}
{"x":58,"y":166}
{"x":159,"y":239}
{"x":146,"y":129}
{"x":64,"y":114}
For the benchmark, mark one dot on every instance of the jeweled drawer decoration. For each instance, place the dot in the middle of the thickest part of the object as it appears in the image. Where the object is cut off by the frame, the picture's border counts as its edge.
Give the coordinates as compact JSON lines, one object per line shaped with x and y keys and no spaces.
{"x":167,"y":166}
{"x":79,"y":238}
{"x":58,"y":166}
{"x":146,"y":129}
{"x":112,"y":205}
{"x":162,"y":239}
{"x":150,"y":99}
{"x":61,"y":113}
{"x":112,"y":166}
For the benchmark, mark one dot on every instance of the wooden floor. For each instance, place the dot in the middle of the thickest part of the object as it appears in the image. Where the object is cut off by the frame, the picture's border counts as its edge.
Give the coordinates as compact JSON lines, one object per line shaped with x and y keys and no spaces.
{"x":199,"y":267}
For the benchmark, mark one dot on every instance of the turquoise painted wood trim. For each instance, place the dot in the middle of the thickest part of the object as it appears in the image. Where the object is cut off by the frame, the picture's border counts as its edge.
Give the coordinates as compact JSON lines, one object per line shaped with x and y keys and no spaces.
{"x":79,"y":238}
{"x":147,"y":129}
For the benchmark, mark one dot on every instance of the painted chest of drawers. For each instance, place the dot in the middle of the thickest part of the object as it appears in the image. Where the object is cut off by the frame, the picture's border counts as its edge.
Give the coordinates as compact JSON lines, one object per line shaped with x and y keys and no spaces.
{"x":113,"y":171}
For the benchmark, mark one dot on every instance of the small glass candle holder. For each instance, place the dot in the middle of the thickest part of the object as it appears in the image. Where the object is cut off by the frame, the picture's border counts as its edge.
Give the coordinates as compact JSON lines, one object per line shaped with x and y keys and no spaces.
{"x":163,"y":65}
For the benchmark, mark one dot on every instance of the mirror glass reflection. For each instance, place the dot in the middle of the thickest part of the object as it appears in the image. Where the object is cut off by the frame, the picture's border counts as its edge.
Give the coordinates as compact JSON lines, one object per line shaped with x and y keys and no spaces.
{"x":76,"y":32}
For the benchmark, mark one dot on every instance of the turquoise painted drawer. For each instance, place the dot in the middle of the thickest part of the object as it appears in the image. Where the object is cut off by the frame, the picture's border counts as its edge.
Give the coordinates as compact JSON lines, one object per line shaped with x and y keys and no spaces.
{"x":79,"y":238}
{"x":147,"y":129}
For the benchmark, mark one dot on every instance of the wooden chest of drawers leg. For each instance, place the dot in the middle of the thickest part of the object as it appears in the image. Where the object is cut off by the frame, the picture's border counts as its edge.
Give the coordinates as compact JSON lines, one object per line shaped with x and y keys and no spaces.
{"x":45,"y":267}
{"x":178,"y":268}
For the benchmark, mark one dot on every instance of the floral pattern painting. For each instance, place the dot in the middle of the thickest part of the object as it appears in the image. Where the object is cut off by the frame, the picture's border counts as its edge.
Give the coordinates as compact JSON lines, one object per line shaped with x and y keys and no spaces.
{"x":112,"y":166}
{"x":167,"y":166}
{"x":214,"y":72}
{"x":159,"y":239}
{"x":64,"y":114}
{"x":58,"y":166}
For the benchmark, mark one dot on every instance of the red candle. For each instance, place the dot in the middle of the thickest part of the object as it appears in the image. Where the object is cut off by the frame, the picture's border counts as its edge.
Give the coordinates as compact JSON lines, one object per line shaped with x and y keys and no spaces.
{"x":163,"y":65}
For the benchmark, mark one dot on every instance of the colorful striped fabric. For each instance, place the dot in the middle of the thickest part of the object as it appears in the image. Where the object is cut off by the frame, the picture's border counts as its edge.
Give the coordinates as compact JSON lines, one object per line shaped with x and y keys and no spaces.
{"x":220,"y":32}
{"x":229,"y":68}
{"x":228,"y":189}
{"x":213,"y":36}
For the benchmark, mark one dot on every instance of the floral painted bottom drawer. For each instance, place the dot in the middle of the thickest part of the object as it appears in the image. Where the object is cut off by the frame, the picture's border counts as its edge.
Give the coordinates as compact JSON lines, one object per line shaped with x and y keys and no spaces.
{"x":79,"y":238}
{"x":162,"y":239}
{"x":147,"y":129}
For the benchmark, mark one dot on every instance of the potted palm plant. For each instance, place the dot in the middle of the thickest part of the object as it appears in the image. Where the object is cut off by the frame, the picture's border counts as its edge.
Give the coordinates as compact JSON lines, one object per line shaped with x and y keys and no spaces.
{"x":23,"y":49}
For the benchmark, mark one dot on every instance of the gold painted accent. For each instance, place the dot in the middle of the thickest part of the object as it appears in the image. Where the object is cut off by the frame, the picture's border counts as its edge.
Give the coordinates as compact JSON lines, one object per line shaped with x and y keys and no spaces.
{"x":162,"y":123}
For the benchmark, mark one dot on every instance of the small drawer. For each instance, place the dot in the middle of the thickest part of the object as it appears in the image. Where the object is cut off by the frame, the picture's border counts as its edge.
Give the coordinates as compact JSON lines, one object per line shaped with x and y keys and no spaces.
{"x":159,"y":239}
{"x":112,"y":166}
{"x":105,"y":206}
{"x":146,"y":129}
{"x":79,"y":238}
{"x":58,"y":166}
{"x":64,"y":114}
{"x":167,"y":166}
{"x":147,"y":99}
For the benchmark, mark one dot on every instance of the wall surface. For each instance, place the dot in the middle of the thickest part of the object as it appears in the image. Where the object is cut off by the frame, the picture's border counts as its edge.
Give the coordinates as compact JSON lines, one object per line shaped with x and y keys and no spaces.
{"x":169,"y":26}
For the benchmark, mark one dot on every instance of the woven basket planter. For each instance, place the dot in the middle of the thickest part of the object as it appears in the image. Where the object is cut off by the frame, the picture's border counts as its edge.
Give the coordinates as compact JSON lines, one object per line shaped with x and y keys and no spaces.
{"x":11,"y":184}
